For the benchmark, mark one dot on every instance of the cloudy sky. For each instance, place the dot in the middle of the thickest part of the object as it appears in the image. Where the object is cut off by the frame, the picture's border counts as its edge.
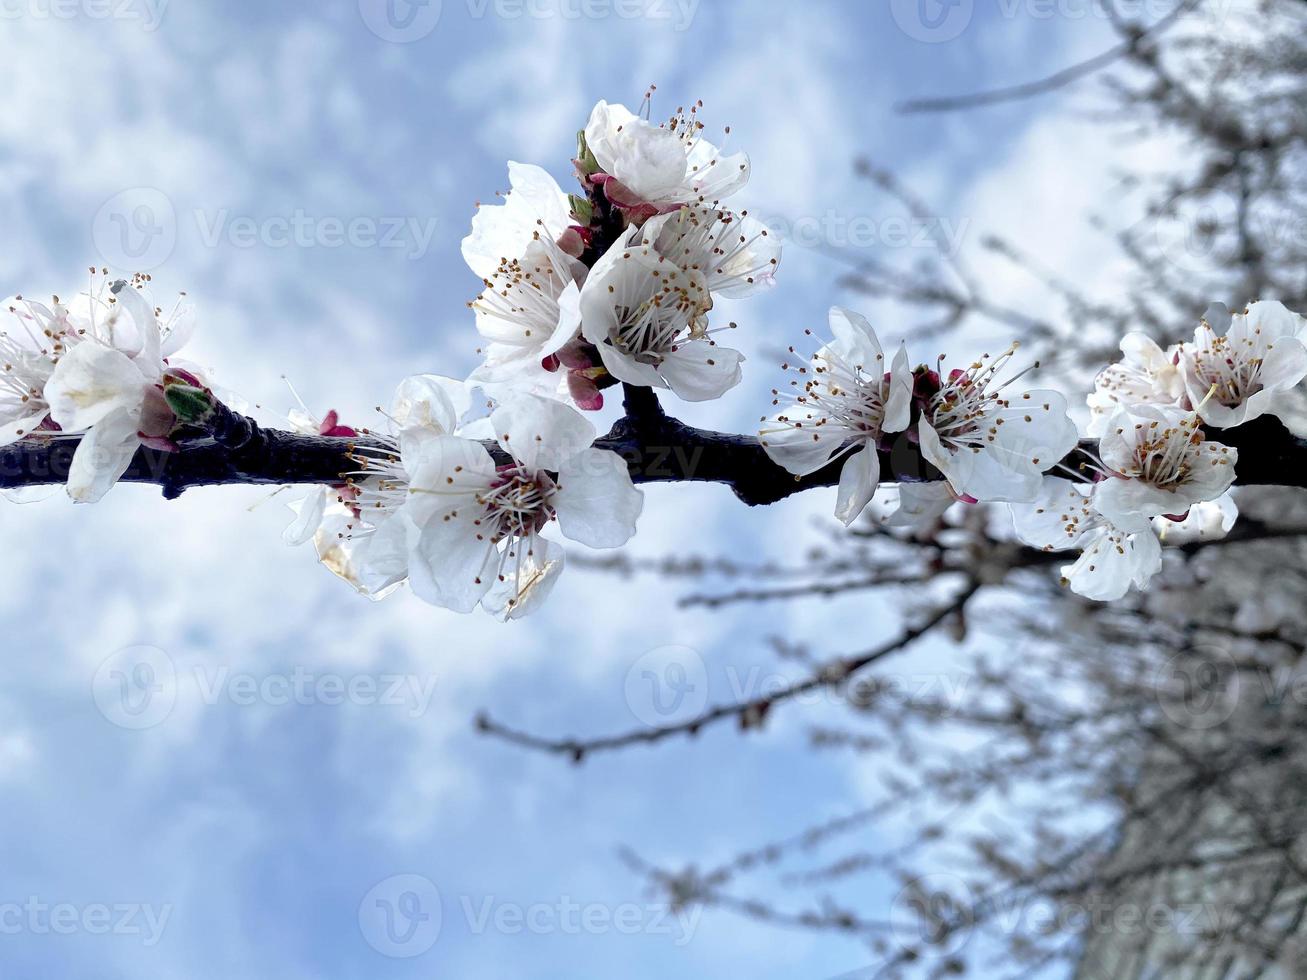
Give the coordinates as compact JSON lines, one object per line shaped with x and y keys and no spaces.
{"x":305,"y":172}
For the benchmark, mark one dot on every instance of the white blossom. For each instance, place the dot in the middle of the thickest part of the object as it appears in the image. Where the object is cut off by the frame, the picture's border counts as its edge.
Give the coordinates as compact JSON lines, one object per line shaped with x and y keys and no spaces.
{"x":109,"y":382}
{"x":28,"y":355}
{"x":844,"y":401}
{"x":1235,"y":376}
{"x":1161,"y":464}
{"x":475,"y":525}
{"x":525,"y":251}
{"x":736,"y":253}
{"x":652,"y":169}
{"x":360,"y":529}
{"x":989,"y":445}
{"x":645,"y":315}
{"x":530,"y":310}
{"x":536,"y":207}
{"x":1064,"y":516}
{"x":1146,"y":375}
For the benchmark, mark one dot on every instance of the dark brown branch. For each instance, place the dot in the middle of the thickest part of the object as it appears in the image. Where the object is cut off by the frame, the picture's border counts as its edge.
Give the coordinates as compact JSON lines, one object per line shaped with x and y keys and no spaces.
{"x":656,"y":447}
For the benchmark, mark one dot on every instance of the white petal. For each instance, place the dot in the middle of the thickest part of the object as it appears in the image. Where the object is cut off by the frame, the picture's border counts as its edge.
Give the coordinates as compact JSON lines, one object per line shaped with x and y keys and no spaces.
{"x":14,"y":429}
{"x":629,"y":370}
{"x":1131,"y":504}
{"x":445,"y":473}
{"x":1112,"y":562}
{"x":1273,"y":320}
{"x":90,"y":383}
{"x":102,"y":457}
{"x":382,"y":558}
{"x":1285,"y":364}
{"x":855,"y":340}
{"x":146,"y":347}
{"x":801,"y":449}
{"x":430,"y":401}
{"x":858,"y":480}
{"x":452,"y":564}
{"x":921,"y":504}
{"x":1207,"y":521}
{"x":933,"y":451}
{"x":648,"y":159}
{"x":504,"y":231}
{"x":898,"y":406}
{"x":308,"y":517}
{"x":698,"y":371}
{"x":1058,"y":519}
{"x":527,"y":580}
{"x":541,"y":433}
{"x":181,"y":327}
{"x":597,"y":504}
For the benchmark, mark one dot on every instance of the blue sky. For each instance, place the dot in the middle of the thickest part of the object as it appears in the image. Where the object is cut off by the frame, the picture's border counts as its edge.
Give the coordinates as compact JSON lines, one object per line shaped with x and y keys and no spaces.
{"x":245,"y":834}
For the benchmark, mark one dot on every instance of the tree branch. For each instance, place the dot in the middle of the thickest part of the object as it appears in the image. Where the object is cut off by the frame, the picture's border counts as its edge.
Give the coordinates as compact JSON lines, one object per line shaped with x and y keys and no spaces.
{"x":657,"y":449}
{"x":750,"y":713}
{"x":1135,"y":37}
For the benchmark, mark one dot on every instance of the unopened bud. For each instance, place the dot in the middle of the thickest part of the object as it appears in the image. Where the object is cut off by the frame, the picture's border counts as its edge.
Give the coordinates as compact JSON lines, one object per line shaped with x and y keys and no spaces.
{"x":191,"y":405}
{"x":586,"y":164}
{"x":582,"y":209}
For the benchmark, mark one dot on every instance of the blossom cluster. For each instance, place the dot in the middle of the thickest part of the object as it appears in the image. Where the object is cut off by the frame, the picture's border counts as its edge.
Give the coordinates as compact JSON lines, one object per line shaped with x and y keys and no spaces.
{"x":96,"y":369}
{"x":1155,"y":474}
{"x":616,"y":284}
{"x":1159,"y":477}
{"x":581,"y":292}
